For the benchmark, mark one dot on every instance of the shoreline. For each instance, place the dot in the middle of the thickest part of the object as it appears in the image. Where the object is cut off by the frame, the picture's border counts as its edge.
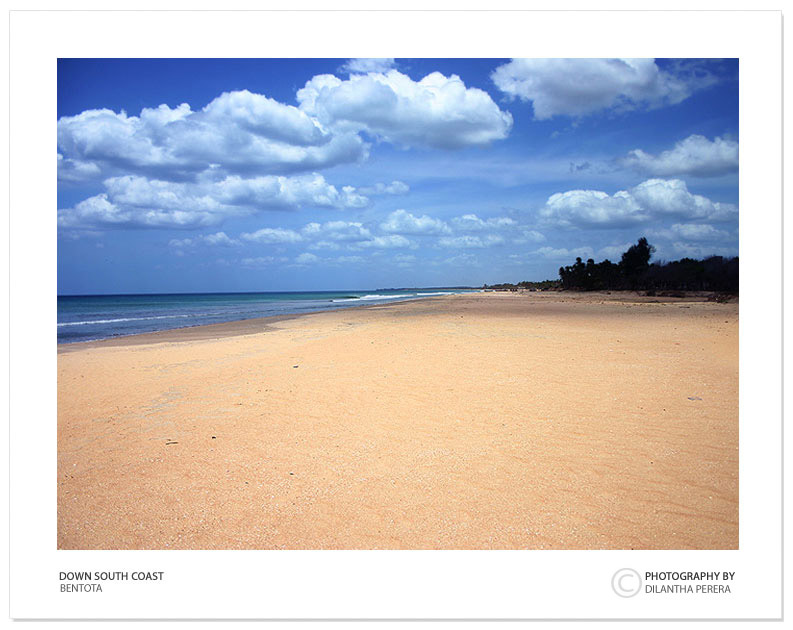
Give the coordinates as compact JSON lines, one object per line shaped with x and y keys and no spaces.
{"x":257,"y":325}
{"x":230,"y":328}
{"x":476,"y":421}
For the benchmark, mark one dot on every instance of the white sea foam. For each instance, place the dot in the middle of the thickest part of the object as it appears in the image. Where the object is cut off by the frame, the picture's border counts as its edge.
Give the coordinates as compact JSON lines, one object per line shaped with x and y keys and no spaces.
{"x":373,"y":297}
{"x":113,"y":326}
{"x":377,"y":296}
{"x":120,"y":319}
{"x":386,"y":297}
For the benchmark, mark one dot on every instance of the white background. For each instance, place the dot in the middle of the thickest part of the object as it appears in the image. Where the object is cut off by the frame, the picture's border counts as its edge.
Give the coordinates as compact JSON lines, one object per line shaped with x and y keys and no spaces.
{"x":411,"y":584}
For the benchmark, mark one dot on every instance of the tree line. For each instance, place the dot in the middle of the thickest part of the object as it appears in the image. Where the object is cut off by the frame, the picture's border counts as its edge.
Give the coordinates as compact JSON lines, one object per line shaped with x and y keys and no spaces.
{"x":543,"y":285}
{"x":634,"y":272}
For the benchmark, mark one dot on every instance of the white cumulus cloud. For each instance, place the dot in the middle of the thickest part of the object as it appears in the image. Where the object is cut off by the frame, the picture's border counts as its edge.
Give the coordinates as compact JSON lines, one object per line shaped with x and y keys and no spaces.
{"x":271,"y":191}
{"x":670,"y":197}
{"x":437,"y":111}
{"x":695,"y":155}
{"x":653,"y":199}
{"x":238,"y":132}
{"x":136,"y":201}
{"x":577,"y":87}
{"x":76,"y":171}
{"x":582,"y":208}
{"x":264,"y":117}
{"x":100,"y":211}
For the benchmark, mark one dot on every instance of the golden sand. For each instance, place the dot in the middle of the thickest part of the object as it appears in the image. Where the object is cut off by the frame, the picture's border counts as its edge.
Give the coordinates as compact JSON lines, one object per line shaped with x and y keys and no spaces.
{"x":483,"y":421}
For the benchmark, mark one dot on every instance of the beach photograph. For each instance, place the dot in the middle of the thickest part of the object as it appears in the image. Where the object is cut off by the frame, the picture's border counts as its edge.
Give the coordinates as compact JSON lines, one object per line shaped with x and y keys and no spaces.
{"x":397,"y":303}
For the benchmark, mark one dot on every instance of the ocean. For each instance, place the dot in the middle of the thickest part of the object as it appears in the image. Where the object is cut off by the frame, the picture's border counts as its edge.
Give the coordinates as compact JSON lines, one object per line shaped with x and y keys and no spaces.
{"x":93,"y":317}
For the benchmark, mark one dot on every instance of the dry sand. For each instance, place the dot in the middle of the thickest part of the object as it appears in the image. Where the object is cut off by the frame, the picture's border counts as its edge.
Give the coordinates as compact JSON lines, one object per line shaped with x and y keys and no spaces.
{"x":484,"y":421}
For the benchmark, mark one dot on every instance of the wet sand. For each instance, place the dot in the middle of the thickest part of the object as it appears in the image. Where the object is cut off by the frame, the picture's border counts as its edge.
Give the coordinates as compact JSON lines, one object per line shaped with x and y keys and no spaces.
{"x":482,"y":421}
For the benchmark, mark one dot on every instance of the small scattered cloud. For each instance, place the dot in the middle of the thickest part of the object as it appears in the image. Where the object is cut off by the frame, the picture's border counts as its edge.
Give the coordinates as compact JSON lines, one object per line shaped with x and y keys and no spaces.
{"x":691,"y":232}
{"x":563,"y":253}
{"x":699,"y":232}
{"x":216,"y":239}
{"x":680,"y":249}
{"x":258,"y":262}
{"x":472,"y":223}
{"x":392,"y":241}
{"x":580,"y":167}
{"x":394,"y":188}
{"x":470,"y":242}
{"x":364,"y":65}
{"x":529,"y":236}
{"x":220,"y":238}
{"x":613,"y":252}
{"x":403,"y":222}
{"x":78,"y":234}
{"x":347,"y":260}
{"x":307,"y":259}
{"x":350,"y":231}
{"x":461,"y":260}
{"x":354,"y":235}
{"x":404,"y":260}
{"x":272,"y":235}
{"x":330,"y":245}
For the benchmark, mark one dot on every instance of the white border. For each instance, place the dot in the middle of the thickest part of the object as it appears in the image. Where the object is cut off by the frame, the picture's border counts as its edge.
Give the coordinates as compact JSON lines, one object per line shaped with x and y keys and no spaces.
{"x":346,"y":584}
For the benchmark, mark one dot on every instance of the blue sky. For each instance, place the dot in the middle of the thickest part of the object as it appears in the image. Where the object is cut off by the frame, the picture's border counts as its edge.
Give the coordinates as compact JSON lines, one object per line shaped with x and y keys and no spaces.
{"x":312,"y":174}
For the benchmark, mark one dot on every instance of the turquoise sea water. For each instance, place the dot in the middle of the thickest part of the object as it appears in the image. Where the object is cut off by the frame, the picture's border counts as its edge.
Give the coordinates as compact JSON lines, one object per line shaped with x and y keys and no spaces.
{"x":92,"y":317}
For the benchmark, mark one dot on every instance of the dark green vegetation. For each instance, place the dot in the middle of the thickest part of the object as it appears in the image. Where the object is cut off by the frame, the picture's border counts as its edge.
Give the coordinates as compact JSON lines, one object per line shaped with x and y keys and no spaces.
{"x":545,"y":285}
{"x":634,"y":272}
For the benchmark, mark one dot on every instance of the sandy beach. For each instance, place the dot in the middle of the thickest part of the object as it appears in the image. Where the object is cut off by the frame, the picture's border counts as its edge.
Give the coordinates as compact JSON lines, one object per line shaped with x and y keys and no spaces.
{"x":482,"y":421}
